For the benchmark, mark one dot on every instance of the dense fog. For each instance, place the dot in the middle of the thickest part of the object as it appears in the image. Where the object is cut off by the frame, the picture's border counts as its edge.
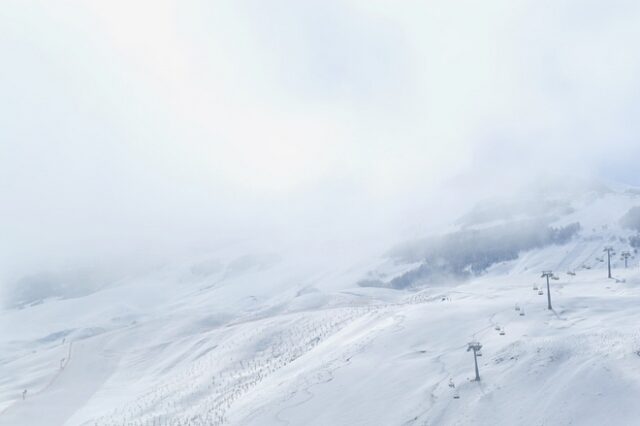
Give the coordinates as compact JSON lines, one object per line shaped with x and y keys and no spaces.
{"x":136,"y":134}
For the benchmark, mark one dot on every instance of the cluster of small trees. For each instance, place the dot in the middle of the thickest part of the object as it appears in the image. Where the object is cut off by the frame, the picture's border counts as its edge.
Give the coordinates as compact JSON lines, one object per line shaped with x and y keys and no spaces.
{"x":468,"y":252}
{"x":205,"y":391}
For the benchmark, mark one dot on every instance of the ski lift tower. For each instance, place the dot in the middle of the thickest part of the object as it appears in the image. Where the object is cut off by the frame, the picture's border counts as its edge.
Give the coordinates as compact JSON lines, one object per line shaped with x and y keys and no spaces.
{"x":547,"y":275}
{"x":475,"y":347}
{"x":625,"y":255}
{"x":609,"y":251}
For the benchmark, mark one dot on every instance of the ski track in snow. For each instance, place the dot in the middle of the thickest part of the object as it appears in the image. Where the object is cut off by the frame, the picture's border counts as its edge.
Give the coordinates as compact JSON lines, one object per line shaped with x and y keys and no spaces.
{"x":212,"y":400}
{"x":344,"y":356}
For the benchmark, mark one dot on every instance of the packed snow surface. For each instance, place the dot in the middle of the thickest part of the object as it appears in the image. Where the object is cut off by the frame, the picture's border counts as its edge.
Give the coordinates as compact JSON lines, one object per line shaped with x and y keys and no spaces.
{"x":293,"y":340}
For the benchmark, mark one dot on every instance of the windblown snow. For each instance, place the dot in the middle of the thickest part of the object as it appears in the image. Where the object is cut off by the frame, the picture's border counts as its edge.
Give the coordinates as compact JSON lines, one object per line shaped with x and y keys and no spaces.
{"x":294,"y":338}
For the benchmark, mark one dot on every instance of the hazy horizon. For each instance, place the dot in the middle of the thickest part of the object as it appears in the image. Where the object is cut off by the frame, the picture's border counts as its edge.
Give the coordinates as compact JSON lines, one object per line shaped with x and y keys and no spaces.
{"x":149,"y":129}
{"x":319,"y":212}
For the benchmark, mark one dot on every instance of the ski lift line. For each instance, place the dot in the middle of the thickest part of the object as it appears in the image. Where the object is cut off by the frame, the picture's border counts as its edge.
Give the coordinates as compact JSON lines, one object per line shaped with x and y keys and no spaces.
{"x":528,"y":301}
{"x":492,"y":316}
{"x":493,"y":324}
{"x":589,"y":257}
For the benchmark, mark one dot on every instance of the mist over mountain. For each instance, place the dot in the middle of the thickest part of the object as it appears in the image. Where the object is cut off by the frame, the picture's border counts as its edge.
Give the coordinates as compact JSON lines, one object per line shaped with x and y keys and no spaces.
{"x":241,"y":335}
{"x":328,"y":212}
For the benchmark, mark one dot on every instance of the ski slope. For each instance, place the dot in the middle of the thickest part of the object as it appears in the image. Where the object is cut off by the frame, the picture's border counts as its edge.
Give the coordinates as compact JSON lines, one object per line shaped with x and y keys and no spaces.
{"x":292,"y":340}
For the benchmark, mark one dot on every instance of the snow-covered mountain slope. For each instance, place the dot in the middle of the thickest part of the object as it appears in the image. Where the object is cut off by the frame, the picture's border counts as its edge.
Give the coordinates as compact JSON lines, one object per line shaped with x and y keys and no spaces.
{"x":248,"y":338}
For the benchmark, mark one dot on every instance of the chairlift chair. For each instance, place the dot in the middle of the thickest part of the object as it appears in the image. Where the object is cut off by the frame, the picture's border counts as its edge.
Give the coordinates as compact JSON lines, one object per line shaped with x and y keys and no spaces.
{"x":540,"y":292}
{"x":502,"y":332}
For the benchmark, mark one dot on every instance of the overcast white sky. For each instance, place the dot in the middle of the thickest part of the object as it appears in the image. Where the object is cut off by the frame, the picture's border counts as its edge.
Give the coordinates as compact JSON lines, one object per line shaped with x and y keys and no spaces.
{"x":136,"y":126}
